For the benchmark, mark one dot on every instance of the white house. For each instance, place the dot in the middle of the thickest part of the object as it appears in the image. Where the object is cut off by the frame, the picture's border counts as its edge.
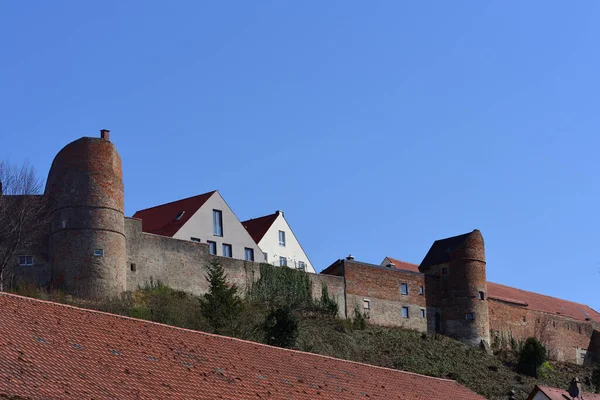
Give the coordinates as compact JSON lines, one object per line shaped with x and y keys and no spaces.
{"x":278,"y":242}
{"x":205,"y":218}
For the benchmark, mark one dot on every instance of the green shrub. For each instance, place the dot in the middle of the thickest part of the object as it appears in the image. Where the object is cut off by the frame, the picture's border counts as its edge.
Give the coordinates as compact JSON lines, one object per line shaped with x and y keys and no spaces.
{"x":360,"y":320}
{"x":531,"y":357}
{"x":596,"y":377}
{"x":326,"y":303}
{"x":282,"y":287}
{"x":281,"y":328}
{"x":545,"y":370}
{"x":222,"y":305}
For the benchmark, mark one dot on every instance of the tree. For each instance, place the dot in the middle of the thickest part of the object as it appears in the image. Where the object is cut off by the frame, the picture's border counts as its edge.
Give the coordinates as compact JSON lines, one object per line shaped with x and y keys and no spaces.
{"x":281,"y":328}
{"x":531,"y":357}
{"x":23,"y":215}
{"x":222,"y":305}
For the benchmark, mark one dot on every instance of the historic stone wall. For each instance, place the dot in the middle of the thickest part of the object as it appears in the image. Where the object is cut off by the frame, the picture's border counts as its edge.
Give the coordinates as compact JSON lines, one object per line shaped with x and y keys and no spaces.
{"x":381,"y":287}
{"x":567,"y":339}
{"x":181,"y":264}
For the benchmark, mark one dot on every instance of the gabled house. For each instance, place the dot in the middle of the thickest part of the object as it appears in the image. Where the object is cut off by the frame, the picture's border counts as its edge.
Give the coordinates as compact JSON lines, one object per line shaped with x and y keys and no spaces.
{"x":401,"y":265}
{"x":205,"y":218}
{"x":278,"y":242}
{"x":574,"y":392}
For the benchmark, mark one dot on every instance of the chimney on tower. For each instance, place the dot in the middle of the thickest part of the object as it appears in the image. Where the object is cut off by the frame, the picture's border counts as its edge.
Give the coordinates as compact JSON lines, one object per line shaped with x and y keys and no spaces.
{"x":105,"y":134}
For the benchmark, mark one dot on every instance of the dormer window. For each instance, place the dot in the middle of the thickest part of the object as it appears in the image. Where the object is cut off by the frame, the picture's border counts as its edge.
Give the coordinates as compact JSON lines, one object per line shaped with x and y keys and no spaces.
{"x":178,"y":217}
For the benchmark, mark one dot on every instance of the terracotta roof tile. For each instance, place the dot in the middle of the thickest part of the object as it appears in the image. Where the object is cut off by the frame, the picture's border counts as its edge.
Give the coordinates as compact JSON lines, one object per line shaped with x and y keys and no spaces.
{"x":161,"y":220}
{"x":541,"y":302}
{"x":53,"y":351}
{"x":560,"y":394}
{"x":403,"y":265}
{"x":258,"y":227}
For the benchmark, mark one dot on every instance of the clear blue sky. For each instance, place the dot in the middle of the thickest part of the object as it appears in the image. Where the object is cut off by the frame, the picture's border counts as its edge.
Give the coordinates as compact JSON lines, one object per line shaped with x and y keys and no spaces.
{"x":378,"y":127}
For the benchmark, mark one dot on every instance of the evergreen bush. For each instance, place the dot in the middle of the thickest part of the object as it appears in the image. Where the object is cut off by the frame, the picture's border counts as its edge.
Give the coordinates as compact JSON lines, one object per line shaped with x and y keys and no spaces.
{"x":531,"y":357}
{"x":281,"y":328}
{"x":222,"y":305}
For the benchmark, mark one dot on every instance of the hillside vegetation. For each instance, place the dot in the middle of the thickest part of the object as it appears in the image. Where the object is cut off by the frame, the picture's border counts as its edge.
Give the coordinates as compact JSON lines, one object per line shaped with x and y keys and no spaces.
{"x":278,"y":310}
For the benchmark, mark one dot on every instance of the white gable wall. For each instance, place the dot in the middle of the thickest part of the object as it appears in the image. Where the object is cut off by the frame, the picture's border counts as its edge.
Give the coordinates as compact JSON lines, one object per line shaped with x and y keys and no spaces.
{"x":292,"y":250}
{"x":200,"y":226}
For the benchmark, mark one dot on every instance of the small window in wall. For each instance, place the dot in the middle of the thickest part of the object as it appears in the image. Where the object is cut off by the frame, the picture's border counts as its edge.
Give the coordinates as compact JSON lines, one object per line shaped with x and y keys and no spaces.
{"x":217,"y":222}
{"x":579,"y":328}
{"x":283,"y":261}
{"x":524,"y":319}
{"x":481,"y":295}
{"x":133,"y":267}
{"x":282,"y":238}
{"x":404,"y":288}
{"x":366,"y":304}
{"x":470,"y":316}
{"x":422,"y":313}
{"x":248,"y":254}
{"x":195,"y":239}
{"x":212,"y":248}
{"x":64,"y":224}
{"x":421,"y":290}
{"x":554,"y":324}
{"x":227,"y":250}
{"x":404,"y":312}
{"x":301,"y":265}
{"x":98,"y":252}
{"x":444,"y":271}
{"x":568,"y":327}
{"x":25,"y":261}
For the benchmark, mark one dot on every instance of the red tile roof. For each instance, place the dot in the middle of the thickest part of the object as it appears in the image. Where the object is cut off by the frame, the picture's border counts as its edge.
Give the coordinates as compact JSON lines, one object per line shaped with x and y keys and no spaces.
{"x":541,"y":302}
{"x":403,"y":265}
{"x":160,"y":220}
{"x":560,"y":394}
{"x":257,"y":227}
{"x":53,"y":351}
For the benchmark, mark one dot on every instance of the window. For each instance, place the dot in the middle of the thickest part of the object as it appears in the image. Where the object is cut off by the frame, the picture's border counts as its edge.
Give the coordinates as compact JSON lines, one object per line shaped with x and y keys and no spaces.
{"x":301,"y":265}
{"x":98,"y":252}
{"x":212,"y":248}
{"x":481,"y":295}
{"x":404,"y":312}
{"x":25,"y":260}
{"x":422,"y":313}
{"x":366,"y":304}
{"x":554,"y":324}
{"x":444,"y":271}
{"x":421,"y":290}
{"x":524,"y":319}
{"x":579,"y":328}
{"x":226,"y":250}
{"x":133,"y":267}
{"x":64,"y":224}
{"x":178,"y":216}
{"x":248,"y":254}
{"x":282,"y":238}
{"x":470,"y":316}
{"x":404,"y":288}
{"x":217,"y":223}
{"x":282,"y":261}
{"x":194,"y":239}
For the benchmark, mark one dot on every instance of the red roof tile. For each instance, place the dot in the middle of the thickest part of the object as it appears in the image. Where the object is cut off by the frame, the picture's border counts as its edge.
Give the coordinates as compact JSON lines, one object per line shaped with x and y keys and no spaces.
{"x":403,"y":265}
{"x":53,"y":351}
{"x":160,"y":220}
{"x":560,"y":394}
{"x":541,"y":302}
{"x":257,"y":227}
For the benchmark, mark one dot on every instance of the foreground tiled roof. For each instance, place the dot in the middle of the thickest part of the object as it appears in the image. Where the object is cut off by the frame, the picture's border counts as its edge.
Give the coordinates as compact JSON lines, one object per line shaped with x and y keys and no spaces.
{"x":541,"y":302}
{"x":161,"y":220}
{"x":258,"y":227}
{"x":560,"y":394}
{"x":53,"y":351}
{"x":403,"y":265}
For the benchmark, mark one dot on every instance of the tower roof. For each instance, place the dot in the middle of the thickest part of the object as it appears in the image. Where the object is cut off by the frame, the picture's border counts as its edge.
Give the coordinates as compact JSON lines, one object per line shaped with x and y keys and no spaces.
{"x":469,"y":245}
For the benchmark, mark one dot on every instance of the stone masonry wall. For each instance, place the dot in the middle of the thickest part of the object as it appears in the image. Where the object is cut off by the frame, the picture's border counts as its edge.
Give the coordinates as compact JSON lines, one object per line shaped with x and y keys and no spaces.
{"x":567,"y":339}
{"x":381,"y":287}
{"x":181,"y":264}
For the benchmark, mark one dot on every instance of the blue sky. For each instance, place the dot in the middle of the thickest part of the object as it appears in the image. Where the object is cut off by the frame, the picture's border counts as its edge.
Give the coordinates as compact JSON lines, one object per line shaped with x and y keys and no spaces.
{"x":378,"y":127}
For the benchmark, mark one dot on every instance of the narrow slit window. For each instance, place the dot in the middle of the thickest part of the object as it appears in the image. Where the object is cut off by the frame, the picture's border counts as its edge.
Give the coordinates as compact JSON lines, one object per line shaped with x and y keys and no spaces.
{"x":25,"y":261}
{"x":421,"y":290}
{"x":481,"y":295}
{"x":217,"y":222}
{"x":422,"y":313}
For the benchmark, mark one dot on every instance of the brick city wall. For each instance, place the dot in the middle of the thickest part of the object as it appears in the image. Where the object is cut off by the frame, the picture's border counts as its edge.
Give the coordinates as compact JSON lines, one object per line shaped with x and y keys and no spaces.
{"x":567,"y":339}
{"x":381,"y":287}
{"x":181,"y":264}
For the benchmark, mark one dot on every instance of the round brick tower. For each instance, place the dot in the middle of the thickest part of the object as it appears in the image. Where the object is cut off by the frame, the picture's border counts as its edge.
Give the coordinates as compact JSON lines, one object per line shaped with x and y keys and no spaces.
{"x":463,"y":292}
{"x":87,"y":234}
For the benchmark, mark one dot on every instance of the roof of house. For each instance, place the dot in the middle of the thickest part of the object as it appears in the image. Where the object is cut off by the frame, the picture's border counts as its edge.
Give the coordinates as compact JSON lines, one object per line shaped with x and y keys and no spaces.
{"x":403,"y":265}
{"x":439,"y":252}
{"x":50,"y":350}
{"x":258,"y":227}
{"x":560,"y":394}
{"x":162,"y":219}
{"x":540,"y":302}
